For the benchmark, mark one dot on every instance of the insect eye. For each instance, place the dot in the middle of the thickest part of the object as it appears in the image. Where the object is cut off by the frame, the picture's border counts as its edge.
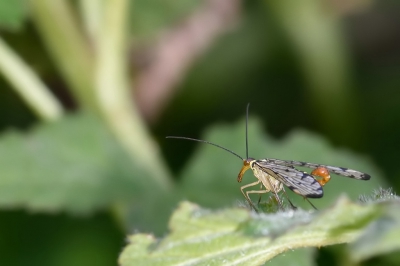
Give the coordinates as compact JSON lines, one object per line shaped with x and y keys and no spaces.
{"x":249,"y":160}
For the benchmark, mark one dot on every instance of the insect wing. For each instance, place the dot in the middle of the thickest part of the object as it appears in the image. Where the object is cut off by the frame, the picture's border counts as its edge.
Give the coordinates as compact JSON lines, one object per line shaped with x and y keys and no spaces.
{"x":334,"y":169}
{"x":299,"y":182}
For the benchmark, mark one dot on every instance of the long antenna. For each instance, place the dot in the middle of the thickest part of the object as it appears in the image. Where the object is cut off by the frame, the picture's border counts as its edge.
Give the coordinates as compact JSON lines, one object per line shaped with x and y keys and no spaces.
{"x":207,"y":142}
{"x":247,"y":139}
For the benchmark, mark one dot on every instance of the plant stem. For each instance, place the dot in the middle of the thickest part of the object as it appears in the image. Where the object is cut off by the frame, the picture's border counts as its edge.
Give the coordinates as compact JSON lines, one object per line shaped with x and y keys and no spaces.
{"x":113,"y":95}
{"x":91,"y":11}
{"x":28,"y":85}
{"x":56,"y":23}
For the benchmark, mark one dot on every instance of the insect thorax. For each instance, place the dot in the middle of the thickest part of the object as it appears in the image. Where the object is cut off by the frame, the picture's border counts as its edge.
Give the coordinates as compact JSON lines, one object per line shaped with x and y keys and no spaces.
{"x":269,"y":182}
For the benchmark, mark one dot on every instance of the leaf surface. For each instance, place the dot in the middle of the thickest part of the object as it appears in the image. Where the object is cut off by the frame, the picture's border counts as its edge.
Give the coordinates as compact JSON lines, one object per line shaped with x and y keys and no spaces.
{"x":73,"y":165}
{"x":238,"y":237}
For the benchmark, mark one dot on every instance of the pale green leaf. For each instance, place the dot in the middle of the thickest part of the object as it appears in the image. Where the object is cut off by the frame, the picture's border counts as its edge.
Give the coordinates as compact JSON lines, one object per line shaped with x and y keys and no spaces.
{"x":382,"y":236}
{"x":233,"y":236}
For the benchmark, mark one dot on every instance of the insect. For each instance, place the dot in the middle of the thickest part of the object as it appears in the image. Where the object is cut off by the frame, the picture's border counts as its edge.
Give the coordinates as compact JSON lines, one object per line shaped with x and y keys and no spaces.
{"x":272,"y":174}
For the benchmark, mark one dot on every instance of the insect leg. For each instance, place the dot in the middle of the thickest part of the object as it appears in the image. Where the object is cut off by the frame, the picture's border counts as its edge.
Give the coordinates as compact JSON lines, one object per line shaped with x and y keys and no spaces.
{"x":274,"y":191}
{"x":256,"y":192}
{"x":259,"y":199}
{"x":315,"y":208}
{"x":287,"y":197}
{"x":247,"y":196}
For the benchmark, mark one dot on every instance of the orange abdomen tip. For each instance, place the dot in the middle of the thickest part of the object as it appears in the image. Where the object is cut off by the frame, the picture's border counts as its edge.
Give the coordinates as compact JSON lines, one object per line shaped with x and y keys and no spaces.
{"x":323,"y":175}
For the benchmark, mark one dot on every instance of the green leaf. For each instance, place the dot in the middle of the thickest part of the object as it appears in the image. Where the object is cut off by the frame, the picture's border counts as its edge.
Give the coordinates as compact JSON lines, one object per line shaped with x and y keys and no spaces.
{"x":316,"y":35}
{"x":13,"y":14}
{"x":297,"y":257}
{"x":73,"y":165}
{"x":382,"y":236}
{"x":210,"y":176}
{"x":149,"y":17}
{"x":233,"y":236}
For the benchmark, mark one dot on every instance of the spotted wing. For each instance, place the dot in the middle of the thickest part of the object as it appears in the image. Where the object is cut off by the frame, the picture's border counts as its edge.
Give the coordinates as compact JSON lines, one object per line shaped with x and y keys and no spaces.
{"x":299,"y":182}
{"x":333,"y":169}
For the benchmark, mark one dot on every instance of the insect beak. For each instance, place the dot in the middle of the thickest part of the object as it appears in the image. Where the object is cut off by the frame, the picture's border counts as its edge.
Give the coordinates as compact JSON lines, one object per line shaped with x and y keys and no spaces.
{"x":245,"y":167}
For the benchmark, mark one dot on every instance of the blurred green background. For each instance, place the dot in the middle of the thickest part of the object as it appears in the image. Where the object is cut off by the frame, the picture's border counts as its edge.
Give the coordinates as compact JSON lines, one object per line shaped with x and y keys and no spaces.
{"x":90,"y":89}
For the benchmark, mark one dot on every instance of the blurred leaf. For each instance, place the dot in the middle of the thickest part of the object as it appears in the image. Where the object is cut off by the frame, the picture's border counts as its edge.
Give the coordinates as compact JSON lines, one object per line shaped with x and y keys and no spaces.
{"x":382,"y":236}
{"x":232,"y":236}
{"x":149,"y":17}
{"x":297,"y":257}
{"x":13,"y":14}
{"x":210,"y":176}
{"x":71,"y":165}
{"x":64,"y":240}
{"x":315,"y":33}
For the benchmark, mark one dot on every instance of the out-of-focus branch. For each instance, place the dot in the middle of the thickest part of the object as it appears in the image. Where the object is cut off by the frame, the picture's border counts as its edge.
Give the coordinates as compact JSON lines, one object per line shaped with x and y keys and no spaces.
{"x":91,"y":11}
{"x":345,"y":7}
{"x":175,"y":52}
{"x":57,"y":24}
{"x":113,"y":95}
{"x":28,"y":85}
